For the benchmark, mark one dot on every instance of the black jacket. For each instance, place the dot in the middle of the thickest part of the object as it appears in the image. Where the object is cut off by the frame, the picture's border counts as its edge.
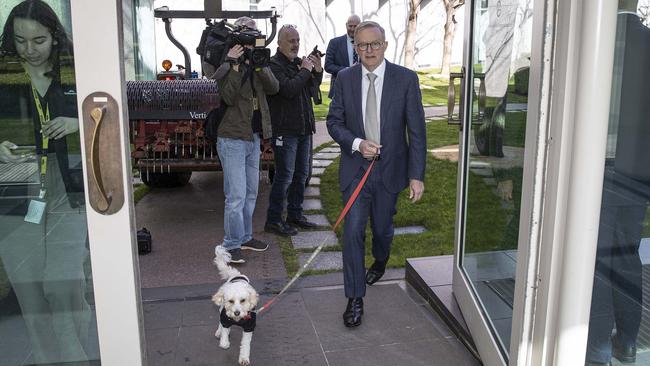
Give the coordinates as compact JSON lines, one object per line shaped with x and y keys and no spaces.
{"x":248,"y":324}
{"x":61,"y":101}
{"x":291,"y":110}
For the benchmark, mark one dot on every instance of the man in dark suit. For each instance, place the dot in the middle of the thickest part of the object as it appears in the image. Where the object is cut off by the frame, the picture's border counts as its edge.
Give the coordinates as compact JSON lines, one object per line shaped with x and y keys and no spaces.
{"x":618,"y":292}
{"x":340,"y":51}
{"x":377,"y":114}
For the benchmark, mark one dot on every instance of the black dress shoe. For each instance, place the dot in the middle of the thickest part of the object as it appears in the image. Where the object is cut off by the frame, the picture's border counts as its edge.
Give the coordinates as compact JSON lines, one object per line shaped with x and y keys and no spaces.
{"x":353,"y":312}
{"x":280,"y":228}
{"x":598,"y":364}
{"x":301,"y":222}
{"x":375,"y":272}
{"x":622,"y":352}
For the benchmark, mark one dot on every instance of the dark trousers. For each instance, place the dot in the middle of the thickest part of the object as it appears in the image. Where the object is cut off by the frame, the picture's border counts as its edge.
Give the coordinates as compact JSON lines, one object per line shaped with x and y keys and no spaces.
{"x":291,"y":154}
{"x":376,"y":203}
{"x":617,"y":292}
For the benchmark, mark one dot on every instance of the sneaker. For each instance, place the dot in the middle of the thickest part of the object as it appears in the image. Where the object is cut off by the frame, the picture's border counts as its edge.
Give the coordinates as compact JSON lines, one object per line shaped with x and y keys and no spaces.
{"x":255,"y":245}
{"x":235,"y":256}
{"x":626,"y":353}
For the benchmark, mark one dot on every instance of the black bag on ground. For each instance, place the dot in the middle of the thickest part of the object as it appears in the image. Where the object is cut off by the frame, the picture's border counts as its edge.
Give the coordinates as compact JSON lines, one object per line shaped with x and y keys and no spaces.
{"x":144,"y":241}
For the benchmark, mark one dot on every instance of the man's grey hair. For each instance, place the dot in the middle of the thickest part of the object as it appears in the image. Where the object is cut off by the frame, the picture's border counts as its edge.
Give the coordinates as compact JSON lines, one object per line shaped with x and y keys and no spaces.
{"x":247,"y":22}
{"x":369,"y":24}
{"x":284,"y":29}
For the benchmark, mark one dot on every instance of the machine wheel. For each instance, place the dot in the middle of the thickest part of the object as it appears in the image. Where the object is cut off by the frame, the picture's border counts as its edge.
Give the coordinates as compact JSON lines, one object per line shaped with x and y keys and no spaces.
{"x":166,"y":180}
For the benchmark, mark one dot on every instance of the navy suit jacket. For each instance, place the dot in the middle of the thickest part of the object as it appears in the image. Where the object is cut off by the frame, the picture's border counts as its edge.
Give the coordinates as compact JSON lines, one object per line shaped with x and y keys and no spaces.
{"x":336,"y":58}
{"x":403,"y":134}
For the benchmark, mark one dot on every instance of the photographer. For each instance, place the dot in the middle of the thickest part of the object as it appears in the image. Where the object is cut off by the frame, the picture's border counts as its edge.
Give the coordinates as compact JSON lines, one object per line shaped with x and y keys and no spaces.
{"x":292,"y":116}
{"x":243,"y":89}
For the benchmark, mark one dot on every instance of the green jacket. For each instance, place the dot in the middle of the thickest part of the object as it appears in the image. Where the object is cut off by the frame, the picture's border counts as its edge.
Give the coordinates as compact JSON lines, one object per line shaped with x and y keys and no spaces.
{"x":238,"y":97}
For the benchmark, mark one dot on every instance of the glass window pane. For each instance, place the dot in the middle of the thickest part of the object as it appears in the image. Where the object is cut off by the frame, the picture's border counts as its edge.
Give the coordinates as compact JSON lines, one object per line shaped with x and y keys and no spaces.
{"x":46,"y":312}
{"x":501,"y":51}
{"x":618,"y":329}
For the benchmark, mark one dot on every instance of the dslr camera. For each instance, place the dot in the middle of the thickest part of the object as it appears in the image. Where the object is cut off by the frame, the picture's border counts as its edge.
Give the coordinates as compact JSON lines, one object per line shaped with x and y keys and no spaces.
{"x":218,"y":38}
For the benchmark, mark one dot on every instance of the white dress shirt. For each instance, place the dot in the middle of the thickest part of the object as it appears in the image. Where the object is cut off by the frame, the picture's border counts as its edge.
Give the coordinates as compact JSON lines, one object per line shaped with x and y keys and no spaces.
{"x":365,"y":84}
{"x":350,"y":51}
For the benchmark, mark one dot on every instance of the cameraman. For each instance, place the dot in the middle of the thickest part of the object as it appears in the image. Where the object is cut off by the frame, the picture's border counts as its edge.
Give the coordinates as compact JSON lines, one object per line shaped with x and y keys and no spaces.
{"x":243,"y":89}
{"x":292,"y":116}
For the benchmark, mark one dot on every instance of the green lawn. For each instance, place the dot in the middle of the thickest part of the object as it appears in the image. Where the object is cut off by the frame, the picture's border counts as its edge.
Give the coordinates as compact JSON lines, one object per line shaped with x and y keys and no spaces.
{"x":21,"y":132}
{"x":436,"y":211}
{"x":514,"y":133}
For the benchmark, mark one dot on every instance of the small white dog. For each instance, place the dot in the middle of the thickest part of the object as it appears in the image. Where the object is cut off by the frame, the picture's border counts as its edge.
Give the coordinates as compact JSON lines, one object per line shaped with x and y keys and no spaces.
{"x":237,"y":300}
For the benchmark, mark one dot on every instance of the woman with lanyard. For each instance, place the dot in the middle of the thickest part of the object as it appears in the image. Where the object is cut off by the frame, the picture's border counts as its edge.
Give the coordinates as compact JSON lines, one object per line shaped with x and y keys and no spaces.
{"x":43,"y":248}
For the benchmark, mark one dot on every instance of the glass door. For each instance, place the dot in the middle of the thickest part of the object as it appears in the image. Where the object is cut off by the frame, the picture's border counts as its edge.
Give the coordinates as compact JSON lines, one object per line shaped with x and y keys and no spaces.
{"x":492,"y":119}
{"x":68,"y":278}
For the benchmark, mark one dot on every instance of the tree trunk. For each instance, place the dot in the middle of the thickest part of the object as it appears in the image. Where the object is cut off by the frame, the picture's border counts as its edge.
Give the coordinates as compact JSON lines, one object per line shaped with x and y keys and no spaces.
{"x":411,"y":33}
{"x":449,"y":36}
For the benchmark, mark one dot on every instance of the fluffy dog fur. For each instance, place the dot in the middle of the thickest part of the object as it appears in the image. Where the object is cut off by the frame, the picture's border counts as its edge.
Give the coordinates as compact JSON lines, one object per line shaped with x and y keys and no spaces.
{"x":239,"y":299}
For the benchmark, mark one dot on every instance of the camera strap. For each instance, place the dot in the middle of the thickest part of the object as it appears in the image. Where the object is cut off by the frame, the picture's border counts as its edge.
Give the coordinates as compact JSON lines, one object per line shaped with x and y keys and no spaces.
{"x":249,"y":73}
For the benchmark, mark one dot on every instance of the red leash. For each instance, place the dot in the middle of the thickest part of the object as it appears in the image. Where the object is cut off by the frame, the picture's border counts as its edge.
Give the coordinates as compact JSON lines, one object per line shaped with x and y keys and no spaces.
{"x":353,"y":198}
{"x":347,"y":207}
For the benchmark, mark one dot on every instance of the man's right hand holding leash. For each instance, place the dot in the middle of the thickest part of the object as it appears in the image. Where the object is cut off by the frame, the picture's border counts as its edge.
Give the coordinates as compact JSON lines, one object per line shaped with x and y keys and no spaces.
{"x":369,"y":149}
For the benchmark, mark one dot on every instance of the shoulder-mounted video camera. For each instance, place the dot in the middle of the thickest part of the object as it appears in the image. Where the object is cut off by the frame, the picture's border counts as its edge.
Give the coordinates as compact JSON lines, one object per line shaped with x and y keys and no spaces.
{"x":219,"y":37}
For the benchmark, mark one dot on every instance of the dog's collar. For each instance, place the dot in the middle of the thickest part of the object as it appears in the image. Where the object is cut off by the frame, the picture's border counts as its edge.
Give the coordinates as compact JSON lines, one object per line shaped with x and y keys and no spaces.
{"x":240,"y":277}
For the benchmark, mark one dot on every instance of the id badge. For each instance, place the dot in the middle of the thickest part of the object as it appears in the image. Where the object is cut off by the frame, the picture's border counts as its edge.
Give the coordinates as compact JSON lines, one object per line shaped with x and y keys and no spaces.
{"x":35,"y":211}
{"x":278,"y":141}
{"x":256,"y":105}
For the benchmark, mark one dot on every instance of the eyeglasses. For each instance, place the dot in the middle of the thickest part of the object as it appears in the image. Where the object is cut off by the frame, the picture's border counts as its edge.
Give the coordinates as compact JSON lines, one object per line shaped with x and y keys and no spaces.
{"x":374,"y":45}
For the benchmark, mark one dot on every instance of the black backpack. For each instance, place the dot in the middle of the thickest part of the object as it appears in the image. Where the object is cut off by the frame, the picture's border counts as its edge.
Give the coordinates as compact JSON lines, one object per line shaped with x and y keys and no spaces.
{"x":213,"y":120}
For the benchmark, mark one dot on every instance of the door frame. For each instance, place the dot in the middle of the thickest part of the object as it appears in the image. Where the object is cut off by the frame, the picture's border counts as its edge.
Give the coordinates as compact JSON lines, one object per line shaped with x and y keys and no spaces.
{"x":573,"y":41}
{"x":99,"y":66}
{"x":578,"y":114}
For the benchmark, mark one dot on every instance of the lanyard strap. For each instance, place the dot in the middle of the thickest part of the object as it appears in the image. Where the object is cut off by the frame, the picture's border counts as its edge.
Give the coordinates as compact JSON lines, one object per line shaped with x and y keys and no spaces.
{"x":43,"y":117}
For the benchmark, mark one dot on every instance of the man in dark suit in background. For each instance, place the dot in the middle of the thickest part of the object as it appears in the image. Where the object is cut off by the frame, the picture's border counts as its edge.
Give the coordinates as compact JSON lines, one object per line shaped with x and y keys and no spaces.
{"x":340,"y":51}
{"x":618,"y":292}
{"x":377,"y":114}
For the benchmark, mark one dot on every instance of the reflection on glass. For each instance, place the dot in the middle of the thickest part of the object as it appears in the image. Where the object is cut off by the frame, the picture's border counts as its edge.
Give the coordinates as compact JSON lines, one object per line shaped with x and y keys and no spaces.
{"x":501,"y":60}
{"x":619,"y":319}
{"x":45,"y":316}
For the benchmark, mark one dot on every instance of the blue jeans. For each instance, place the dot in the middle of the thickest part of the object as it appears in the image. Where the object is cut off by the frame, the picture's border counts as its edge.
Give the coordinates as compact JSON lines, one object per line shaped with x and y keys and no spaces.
{"x":240,"y":183}
{"x":291,"y":155}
